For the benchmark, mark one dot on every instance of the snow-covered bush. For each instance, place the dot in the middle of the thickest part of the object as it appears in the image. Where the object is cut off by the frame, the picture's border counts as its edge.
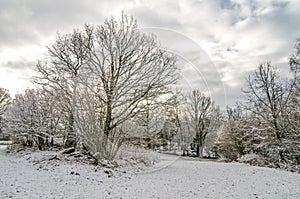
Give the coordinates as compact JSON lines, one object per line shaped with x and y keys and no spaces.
{"x":253,"y":159}
{"x":233,"y":140}
{"x":132,"y":155}
{"x":33,"y":119}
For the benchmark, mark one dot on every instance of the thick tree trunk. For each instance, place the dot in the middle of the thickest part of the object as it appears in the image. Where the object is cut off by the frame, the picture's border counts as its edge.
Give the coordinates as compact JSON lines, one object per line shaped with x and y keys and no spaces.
{"x":71,"y":137}
{"x":0,"y":124}
{"x":199,"y":144}
{"x":105,"y":139}
{"x":107,"y":125}
{"x":199,"y":150}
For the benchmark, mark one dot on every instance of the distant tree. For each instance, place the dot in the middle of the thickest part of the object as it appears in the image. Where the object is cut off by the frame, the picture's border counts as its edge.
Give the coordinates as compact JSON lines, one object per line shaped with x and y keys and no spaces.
{"x":233,"y":113}
{"x":175,"y":118}
{"x":232,"y":140}
{"x":151,"y":120}
{"x":5,"y":100}
{"x":172,"y":122}
{"x":187,"y":133}
{"x":216,"y":118}
{"x":295,"y":59}
{"x":199,"y":109}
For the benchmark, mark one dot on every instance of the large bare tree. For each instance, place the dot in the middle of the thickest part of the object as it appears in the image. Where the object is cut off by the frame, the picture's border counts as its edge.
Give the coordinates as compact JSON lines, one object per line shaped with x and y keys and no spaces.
{"x":123,"y":69}
{"x":116,"y":65}
{"x":129,"y":67}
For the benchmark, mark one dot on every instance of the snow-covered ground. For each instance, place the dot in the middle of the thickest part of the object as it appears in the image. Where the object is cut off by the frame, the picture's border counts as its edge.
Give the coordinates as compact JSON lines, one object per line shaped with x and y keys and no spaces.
{"x":33,"y":175}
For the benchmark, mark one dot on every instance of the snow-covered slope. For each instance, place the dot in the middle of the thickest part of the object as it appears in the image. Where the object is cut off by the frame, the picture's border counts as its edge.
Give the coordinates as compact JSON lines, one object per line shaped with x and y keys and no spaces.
{"x":33,"y":175}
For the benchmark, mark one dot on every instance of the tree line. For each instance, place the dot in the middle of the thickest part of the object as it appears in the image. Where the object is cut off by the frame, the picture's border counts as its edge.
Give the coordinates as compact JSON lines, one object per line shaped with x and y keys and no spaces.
{"x":109,"y":84}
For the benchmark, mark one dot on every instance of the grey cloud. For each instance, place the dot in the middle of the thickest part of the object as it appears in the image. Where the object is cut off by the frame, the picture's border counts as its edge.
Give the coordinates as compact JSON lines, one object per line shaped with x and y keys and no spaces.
{"x":28,"y":22}
{"x":59,"y":14}
{"x":18,"y":65}
{"x":15,"y":29}
{"x":148,"y":17}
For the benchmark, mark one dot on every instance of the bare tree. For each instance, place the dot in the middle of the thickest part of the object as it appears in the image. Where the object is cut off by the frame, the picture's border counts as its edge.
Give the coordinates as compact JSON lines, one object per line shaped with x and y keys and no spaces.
{"x":269,"y":100}
{"x":67,"y":57}
{"x":295,"y":59}
{"x":151,"y":119}
{"x":293,"y":107}
{"x":294,"y":104}
{"x":216,"y":118}
{"x":5,"y":100}
{"x":123,"y":68}
{"x":268,"y":130}
{"x":114,"y":64}
{"x":200,"y":108}
{"x":267,"y":97}
{"x":234,"y":113}
{"x":173,"y":120}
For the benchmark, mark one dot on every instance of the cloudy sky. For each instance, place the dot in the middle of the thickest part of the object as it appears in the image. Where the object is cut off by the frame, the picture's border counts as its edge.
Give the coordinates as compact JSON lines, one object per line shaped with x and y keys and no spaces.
{"x":219,"y":42}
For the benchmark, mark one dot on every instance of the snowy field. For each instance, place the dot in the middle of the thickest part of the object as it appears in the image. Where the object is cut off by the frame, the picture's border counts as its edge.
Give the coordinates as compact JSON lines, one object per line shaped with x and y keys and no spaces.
{"x":33,"y":175}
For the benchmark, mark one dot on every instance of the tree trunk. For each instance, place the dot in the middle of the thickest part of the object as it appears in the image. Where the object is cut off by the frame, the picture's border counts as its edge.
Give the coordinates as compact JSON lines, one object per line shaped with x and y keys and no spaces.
{"x":71,"y":137}
{"x":0,"y":124}
{"x":200,"y":147}
{"x":107,"y":125}
{"x":201,"y":152}
{"x":105,"y":141}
